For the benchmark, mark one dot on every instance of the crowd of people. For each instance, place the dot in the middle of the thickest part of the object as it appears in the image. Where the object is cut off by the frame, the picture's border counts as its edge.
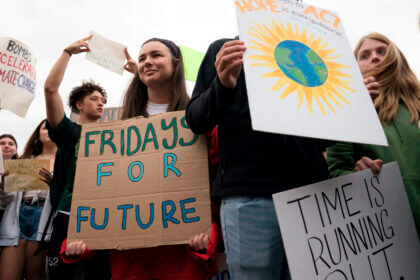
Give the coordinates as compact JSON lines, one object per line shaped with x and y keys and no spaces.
{"x":246,"y":166}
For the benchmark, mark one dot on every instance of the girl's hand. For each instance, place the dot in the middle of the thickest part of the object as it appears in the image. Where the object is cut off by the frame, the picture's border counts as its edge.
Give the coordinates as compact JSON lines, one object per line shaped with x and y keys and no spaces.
{"x":372,"y":86}
{"x":75,"y":249}
{"x":366,"y":163}
{"x":199,"y":242}
{"x":131,"y":65}
{"x":46,"y":176}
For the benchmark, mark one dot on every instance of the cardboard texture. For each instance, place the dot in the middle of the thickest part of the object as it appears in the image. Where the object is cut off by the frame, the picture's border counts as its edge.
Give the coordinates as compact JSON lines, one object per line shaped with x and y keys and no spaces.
{"x":17,"y":76}
{"x":358,"y":226}
{"x":301,"y":75}
{"x":24,"y":175}
{"x":106,"y":53}
{"x":131,"y":204}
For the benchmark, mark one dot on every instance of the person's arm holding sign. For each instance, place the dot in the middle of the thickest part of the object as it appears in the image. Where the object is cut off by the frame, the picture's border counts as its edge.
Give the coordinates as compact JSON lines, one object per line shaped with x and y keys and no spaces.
{"x":217,"y":79}
{"x":54,"y":103}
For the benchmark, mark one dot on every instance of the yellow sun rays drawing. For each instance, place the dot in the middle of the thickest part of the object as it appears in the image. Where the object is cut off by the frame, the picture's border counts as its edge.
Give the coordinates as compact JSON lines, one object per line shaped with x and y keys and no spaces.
{"x":302,"y":64}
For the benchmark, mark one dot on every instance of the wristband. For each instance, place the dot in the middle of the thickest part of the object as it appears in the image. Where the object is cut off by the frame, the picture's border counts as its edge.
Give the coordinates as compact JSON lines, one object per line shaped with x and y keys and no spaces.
{"x":67,"y":51}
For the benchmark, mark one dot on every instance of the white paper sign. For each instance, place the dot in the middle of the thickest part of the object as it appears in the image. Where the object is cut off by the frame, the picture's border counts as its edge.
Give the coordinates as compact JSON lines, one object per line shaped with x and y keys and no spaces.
{"x":106,"y":53}
{"x":301,"y":75}
{"x":17,"y":76}
{"x":357,"y":226}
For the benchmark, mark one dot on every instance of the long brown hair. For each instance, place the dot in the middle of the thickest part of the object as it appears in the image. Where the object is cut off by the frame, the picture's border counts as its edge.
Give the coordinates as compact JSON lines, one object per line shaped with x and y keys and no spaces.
{"x":397,"y":82}
{"x":34,"y":145}
{"x":136,"y":97}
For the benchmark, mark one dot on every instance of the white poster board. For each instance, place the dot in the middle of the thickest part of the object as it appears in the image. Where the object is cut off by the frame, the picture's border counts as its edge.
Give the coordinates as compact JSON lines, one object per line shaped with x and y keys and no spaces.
{"x":357,"y":226}
{"x":301,"y":75}
{"x":17,"y":76}
{"x":106,"y":53}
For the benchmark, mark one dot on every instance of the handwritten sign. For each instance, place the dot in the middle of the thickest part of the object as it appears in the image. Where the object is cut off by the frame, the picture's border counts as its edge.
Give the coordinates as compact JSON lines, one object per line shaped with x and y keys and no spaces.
{"x":141,"y":182}
{"x":106,"y":53}
{"x":24,"y":175}
{"x":301,"y":75}
{"x":17,"y":76}
{"x":357,"y":226}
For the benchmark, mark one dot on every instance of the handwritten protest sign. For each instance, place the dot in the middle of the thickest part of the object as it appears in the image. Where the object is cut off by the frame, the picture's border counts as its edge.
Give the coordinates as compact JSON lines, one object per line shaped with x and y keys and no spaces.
{"x":357,"y":226}
{"x":24,"y":175}
{"x":301,"y":75}
{"x":141,"y":182}
{"x":17,"y":76}
{"x":106,"y":53}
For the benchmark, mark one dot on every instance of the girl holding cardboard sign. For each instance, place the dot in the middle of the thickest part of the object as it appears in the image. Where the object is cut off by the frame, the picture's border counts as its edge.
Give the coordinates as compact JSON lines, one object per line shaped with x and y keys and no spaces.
{"x":395,"y":91}
{"x":158,"y":86}
{"x":8,"y":146}
{"x":21,"y":229}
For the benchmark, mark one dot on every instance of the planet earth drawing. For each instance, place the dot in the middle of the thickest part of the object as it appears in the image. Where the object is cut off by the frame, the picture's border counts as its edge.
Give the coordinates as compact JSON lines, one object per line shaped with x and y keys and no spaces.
{"x":300,"y":63}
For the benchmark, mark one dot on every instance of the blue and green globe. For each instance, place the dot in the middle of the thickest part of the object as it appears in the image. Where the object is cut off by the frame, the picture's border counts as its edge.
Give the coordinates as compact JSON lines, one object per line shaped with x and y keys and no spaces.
{"x":300,"y":63}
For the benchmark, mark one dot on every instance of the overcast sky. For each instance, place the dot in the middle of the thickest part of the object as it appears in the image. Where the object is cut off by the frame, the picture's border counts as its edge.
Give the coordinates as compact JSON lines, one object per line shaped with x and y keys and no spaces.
{"x":48,"y":26}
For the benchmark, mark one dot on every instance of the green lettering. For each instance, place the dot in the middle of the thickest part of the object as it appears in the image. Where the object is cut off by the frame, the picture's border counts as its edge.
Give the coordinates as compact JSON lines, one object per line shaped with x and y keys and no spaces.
{"x":136,"y":130}
{"x":181,"y":141}
{"x":150,"y":129}
{"x":173,"y":125}
{"x":107,"y":141}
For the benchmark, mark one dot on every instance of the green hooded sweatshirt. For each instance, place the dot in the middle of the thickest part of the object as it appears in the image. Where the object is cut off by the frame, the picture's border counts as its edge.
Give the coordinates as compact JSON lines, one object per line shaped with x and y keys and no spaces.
{"x":404,"y":147}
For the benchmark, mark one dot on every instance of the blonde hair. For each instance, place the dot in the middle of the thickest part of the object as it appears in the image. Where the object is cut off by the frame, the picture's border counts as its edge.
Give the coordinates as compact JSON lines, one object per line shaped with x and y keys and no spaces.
{"x":397,"y":82}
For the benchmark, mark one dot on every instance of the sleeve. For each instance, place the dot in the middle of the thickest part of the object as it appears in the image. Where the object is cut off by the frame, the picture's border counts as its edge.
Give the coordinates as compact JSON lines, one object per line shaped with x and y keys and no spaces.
{"x":215,"y":238}
{"x":209,"y":97}
{"x":340,"y":159}
{"x":61,"y":132}
{"x":216,"y":231}
{"x":66,"y":259}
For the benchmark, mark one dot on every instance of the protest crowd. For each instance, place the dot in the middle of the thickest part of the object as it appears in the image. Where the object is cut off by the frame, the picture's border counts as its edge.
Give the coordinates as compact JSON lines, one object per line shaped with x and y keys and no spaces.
{"x":245,"y":167}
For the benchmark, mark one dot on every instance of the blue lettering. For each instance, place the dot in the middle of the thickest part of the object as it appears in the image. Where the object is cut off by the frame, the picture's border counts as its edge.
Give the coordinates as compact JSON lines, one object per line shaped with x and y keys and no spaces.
{"x":81,"y":218}
{"x":101,"y":174}
{"x":185,"y":211}
{"x":124,"y":208}
{"x":170,"y":166}
{"x":130,"y":171}
{"x":168,"y":216}
{"x":151,"y":218}
{"x":92,"y":219}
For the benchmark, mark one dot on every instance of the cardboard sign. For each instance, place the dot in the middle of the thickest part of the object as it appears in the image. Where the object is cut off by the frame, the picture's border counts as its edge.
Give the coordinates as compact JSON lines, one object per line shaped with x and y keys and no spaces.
{"x":141,"y":182}
{"x":357,"y":226}
{"x":301,"y":75}
{"x":24,"y":175}
{"x":110,"y":114}
{"x":106,"y":53}
{"x":17,"y":76}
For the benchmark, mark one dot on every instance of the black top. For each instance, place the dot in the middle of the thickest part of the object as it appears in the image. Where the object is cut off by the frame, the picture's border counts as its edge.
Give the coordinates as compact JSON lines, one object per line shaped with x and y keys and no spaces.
{"x":251,"y":162}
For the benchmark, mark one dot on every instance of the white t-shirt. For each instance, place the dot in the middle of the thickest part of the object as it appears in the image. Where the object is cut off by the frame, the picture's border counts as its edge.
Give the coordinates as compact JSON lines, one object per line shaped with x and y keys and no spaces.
{"x":153,"y":108}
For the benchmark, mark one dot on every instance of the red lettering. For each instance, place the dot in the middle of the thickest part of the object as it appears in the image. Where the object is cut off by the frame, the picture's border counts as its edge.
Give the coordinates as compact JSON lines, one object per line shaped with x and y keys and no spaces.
{"x":3,"y":58}
{"x":24,"y":66}
{"x":14,"y":64}
{"x":10,"y":60}
{"x":15,"y":75}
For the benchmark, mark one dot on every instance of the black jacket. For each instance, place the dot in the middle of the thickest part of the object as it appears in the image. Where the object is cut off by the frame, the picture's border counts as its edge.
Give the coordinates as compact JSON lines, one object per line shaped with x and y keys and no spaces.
{"x":251,"y":162}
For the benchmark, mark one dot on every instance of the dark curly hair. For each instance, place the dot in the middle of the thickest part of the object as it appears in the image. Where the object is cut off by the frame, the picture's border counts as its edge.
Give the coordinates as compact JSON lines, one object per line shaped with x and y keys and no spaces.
{"x":80,"y":92}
